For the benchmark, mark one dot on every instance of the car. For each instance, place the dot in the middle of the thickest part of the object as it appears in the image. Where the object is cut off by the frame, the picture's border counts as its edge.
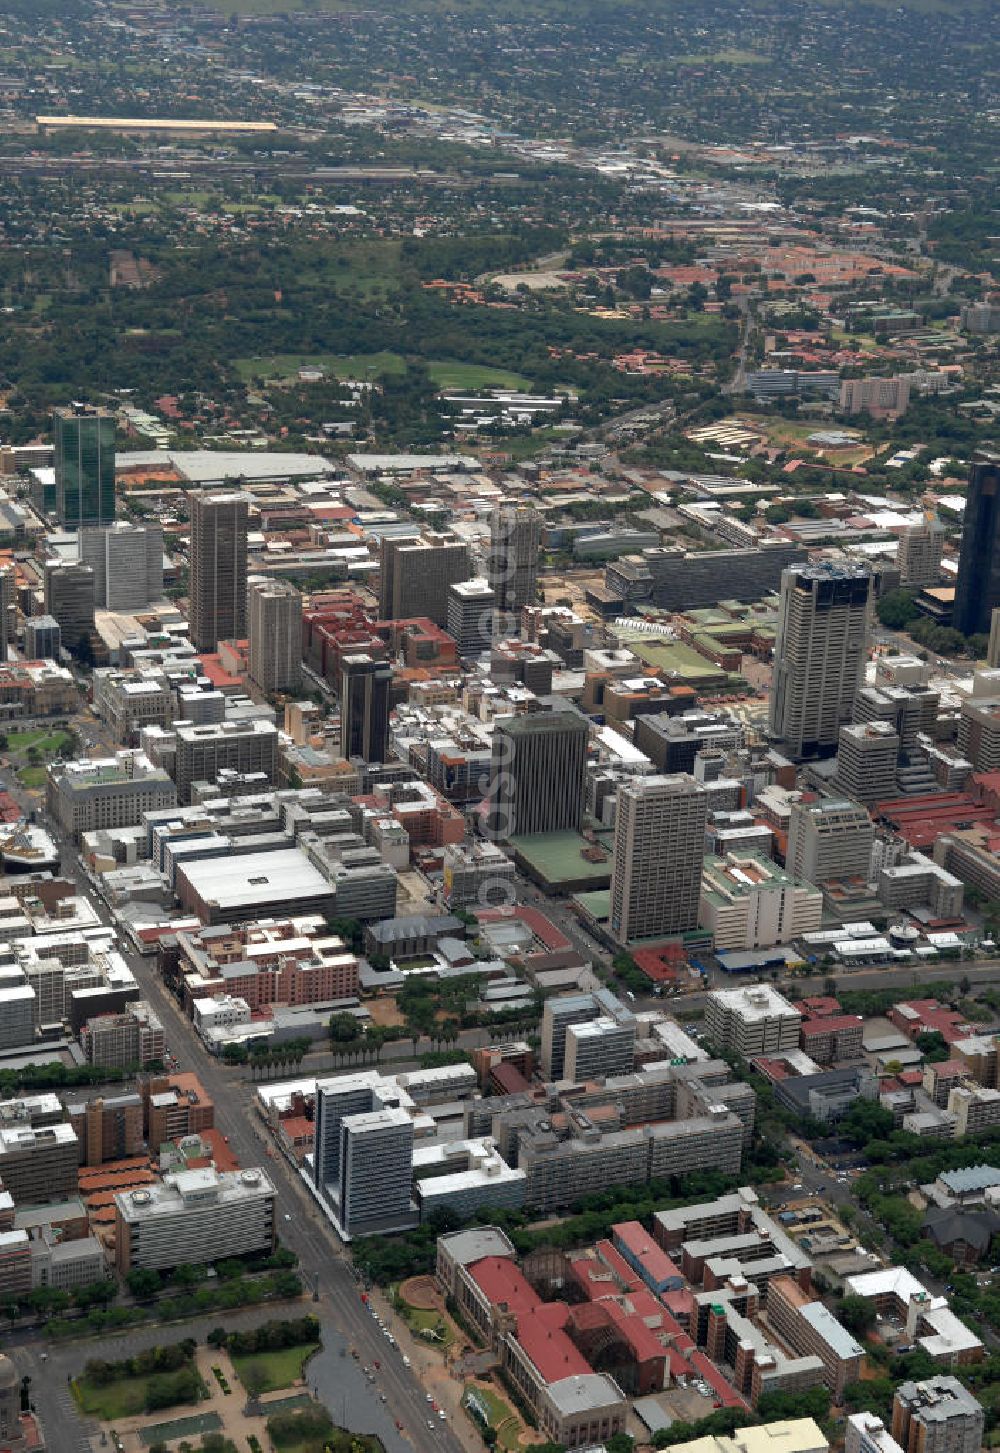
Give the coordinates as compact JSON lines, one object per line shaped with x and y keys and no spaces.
{"x":406,"y":1360}
{"x":399,"y":1425}
{"x":431,"y":1424}
{"x":287,"y":1217}
{"x":381,"y":1397}
{"x":443,"y":1415}
{"x":430,"y":1399}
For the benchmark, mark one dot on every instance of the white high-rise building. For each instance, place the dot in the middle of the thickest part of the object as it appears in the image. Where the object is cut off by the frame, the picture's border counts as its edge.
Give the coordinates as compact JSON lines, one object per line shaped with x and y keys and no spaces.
{"x":363,"y":1154}
{"x":127,"y":561}
{"x":659,"y":852}
{"x":819,"y":654}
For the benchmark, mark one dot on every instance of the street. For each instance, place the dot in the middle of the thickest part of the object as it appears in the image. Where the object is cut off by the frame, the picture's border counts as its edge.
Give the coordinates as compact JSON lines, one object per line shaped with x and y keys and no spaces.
{"x":324,"y":1264}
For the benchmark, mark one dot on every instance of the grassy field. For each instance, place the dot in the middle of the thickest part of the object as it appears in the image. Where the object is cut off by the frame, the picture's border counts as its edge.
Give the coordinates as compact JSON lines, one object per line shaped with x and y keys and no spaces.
{"x":345,"y":365}
{"x":122,"y":1398}
{"x":31,"y":777}
{"x":446,"y":373}
{"x":450,"y":374}
{"x":276,"y":1369}
{"x":43,"y":740}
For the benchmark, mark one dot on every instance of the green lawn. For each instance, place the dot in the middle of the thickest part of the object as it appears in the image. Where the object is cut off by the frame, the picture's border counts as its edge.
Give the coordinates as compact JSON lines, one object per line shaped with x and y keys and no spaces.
{"x":344,"y":365}
{"x":502,"y":1418}
{"x":32,"y":776}
{"x":48,"y":742}
{"x":276,"y":1369}
{"x":426,"y":1319}
{"x":446,"y":373}
{"x":450,"y":374}
{"x":119,"y":1399}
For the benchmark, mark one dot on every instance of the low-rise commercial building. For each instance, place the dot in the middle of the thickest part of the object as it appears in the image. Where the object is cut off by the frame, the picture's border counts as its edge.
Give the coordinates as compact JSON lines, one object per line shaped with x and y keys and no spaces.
{"x":194,"y":1217}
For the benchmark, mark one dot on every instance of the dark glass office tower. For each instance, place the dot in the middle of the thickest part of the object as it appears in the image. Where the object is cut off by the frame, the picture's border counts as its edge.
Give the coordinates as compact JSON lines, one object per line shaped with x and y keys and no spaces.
{"x":364,"y":707}
{"x":978,"y":588}
{"x":84,"y":440}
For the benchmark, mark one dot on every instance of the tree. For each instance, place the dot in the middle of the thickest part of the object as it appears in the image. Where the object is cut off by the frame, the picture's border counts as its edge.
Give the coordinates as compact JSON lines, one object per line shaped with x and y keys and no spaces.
{"x":897,"y":609}
{"x":857,"y":1314}
{"x":143,"y":1283}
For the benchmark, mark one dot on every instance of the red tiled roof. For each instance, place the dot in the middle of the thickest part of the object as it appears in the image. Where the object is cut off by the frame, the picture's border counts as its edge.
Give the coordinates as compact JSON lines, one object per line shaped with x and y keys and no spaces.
{"x":542,"y":1334}
{"x":501,"y":1280}
{"x":617,"y":1265}
{"x":832,"y":1024}
{"x":636,"y":1240}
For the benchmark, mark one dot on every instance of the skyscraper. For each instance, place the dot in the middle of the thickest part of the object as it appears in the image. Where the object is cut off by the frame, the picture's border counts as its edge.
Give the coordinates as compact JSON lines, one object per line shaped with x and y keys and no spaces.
{"x":85,"y":466}
{"x":819,"y":654}
{"x":218,"y":583}
{"x":537,"y":772}
{"x":470,"y":615}
{"x":363,"y":1155}
{"x":415,"y":574}
{"x":515,"y":544}
{"x":919,"y":552}
{"x":659,"y":853}
{"x":7,"y":596}
{"x":364,"y":708}
{"x":69,"y":599}
{"x":977,"y":589}
{"x":127,"y":561}
{"x":275,"y":611}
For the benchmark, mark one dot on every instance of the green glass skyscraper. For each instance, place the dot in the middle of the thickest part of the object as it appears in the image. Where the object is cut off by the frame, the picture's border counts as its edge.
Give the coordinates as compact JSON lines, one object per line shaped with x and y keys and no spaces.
{"x":85,"y":466}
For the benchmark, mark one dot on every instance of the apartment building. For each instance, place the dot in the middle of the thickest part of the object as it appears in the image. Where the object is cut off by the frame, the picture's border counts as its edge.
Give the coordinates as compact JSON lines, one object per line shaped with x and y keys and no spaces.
{"x":478,"y":875}
{"x":752,"y":1021}
{"x":415,"y":573}
{"x":829,"y":839}
{"x":658,"y":857}
{"x":747,"y":902}
{"x":919,"y":552}
{"x":193,"y":1217}
{"x":264,"y":962}
{"x":975,"y":1107}
{"x":274,"y":610}
{"x":108,"y":1128}
{"x":203,"y":752}
{"x":881,"y":397}
{"x":811,"y":1329}
{"x":937,"y":1415}
{"x":111,"y":792}
{"x":122,"y":1041}
{"x":38,"y":1163}
{"x":867,"y":754}
{"x":174,"y":1106}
